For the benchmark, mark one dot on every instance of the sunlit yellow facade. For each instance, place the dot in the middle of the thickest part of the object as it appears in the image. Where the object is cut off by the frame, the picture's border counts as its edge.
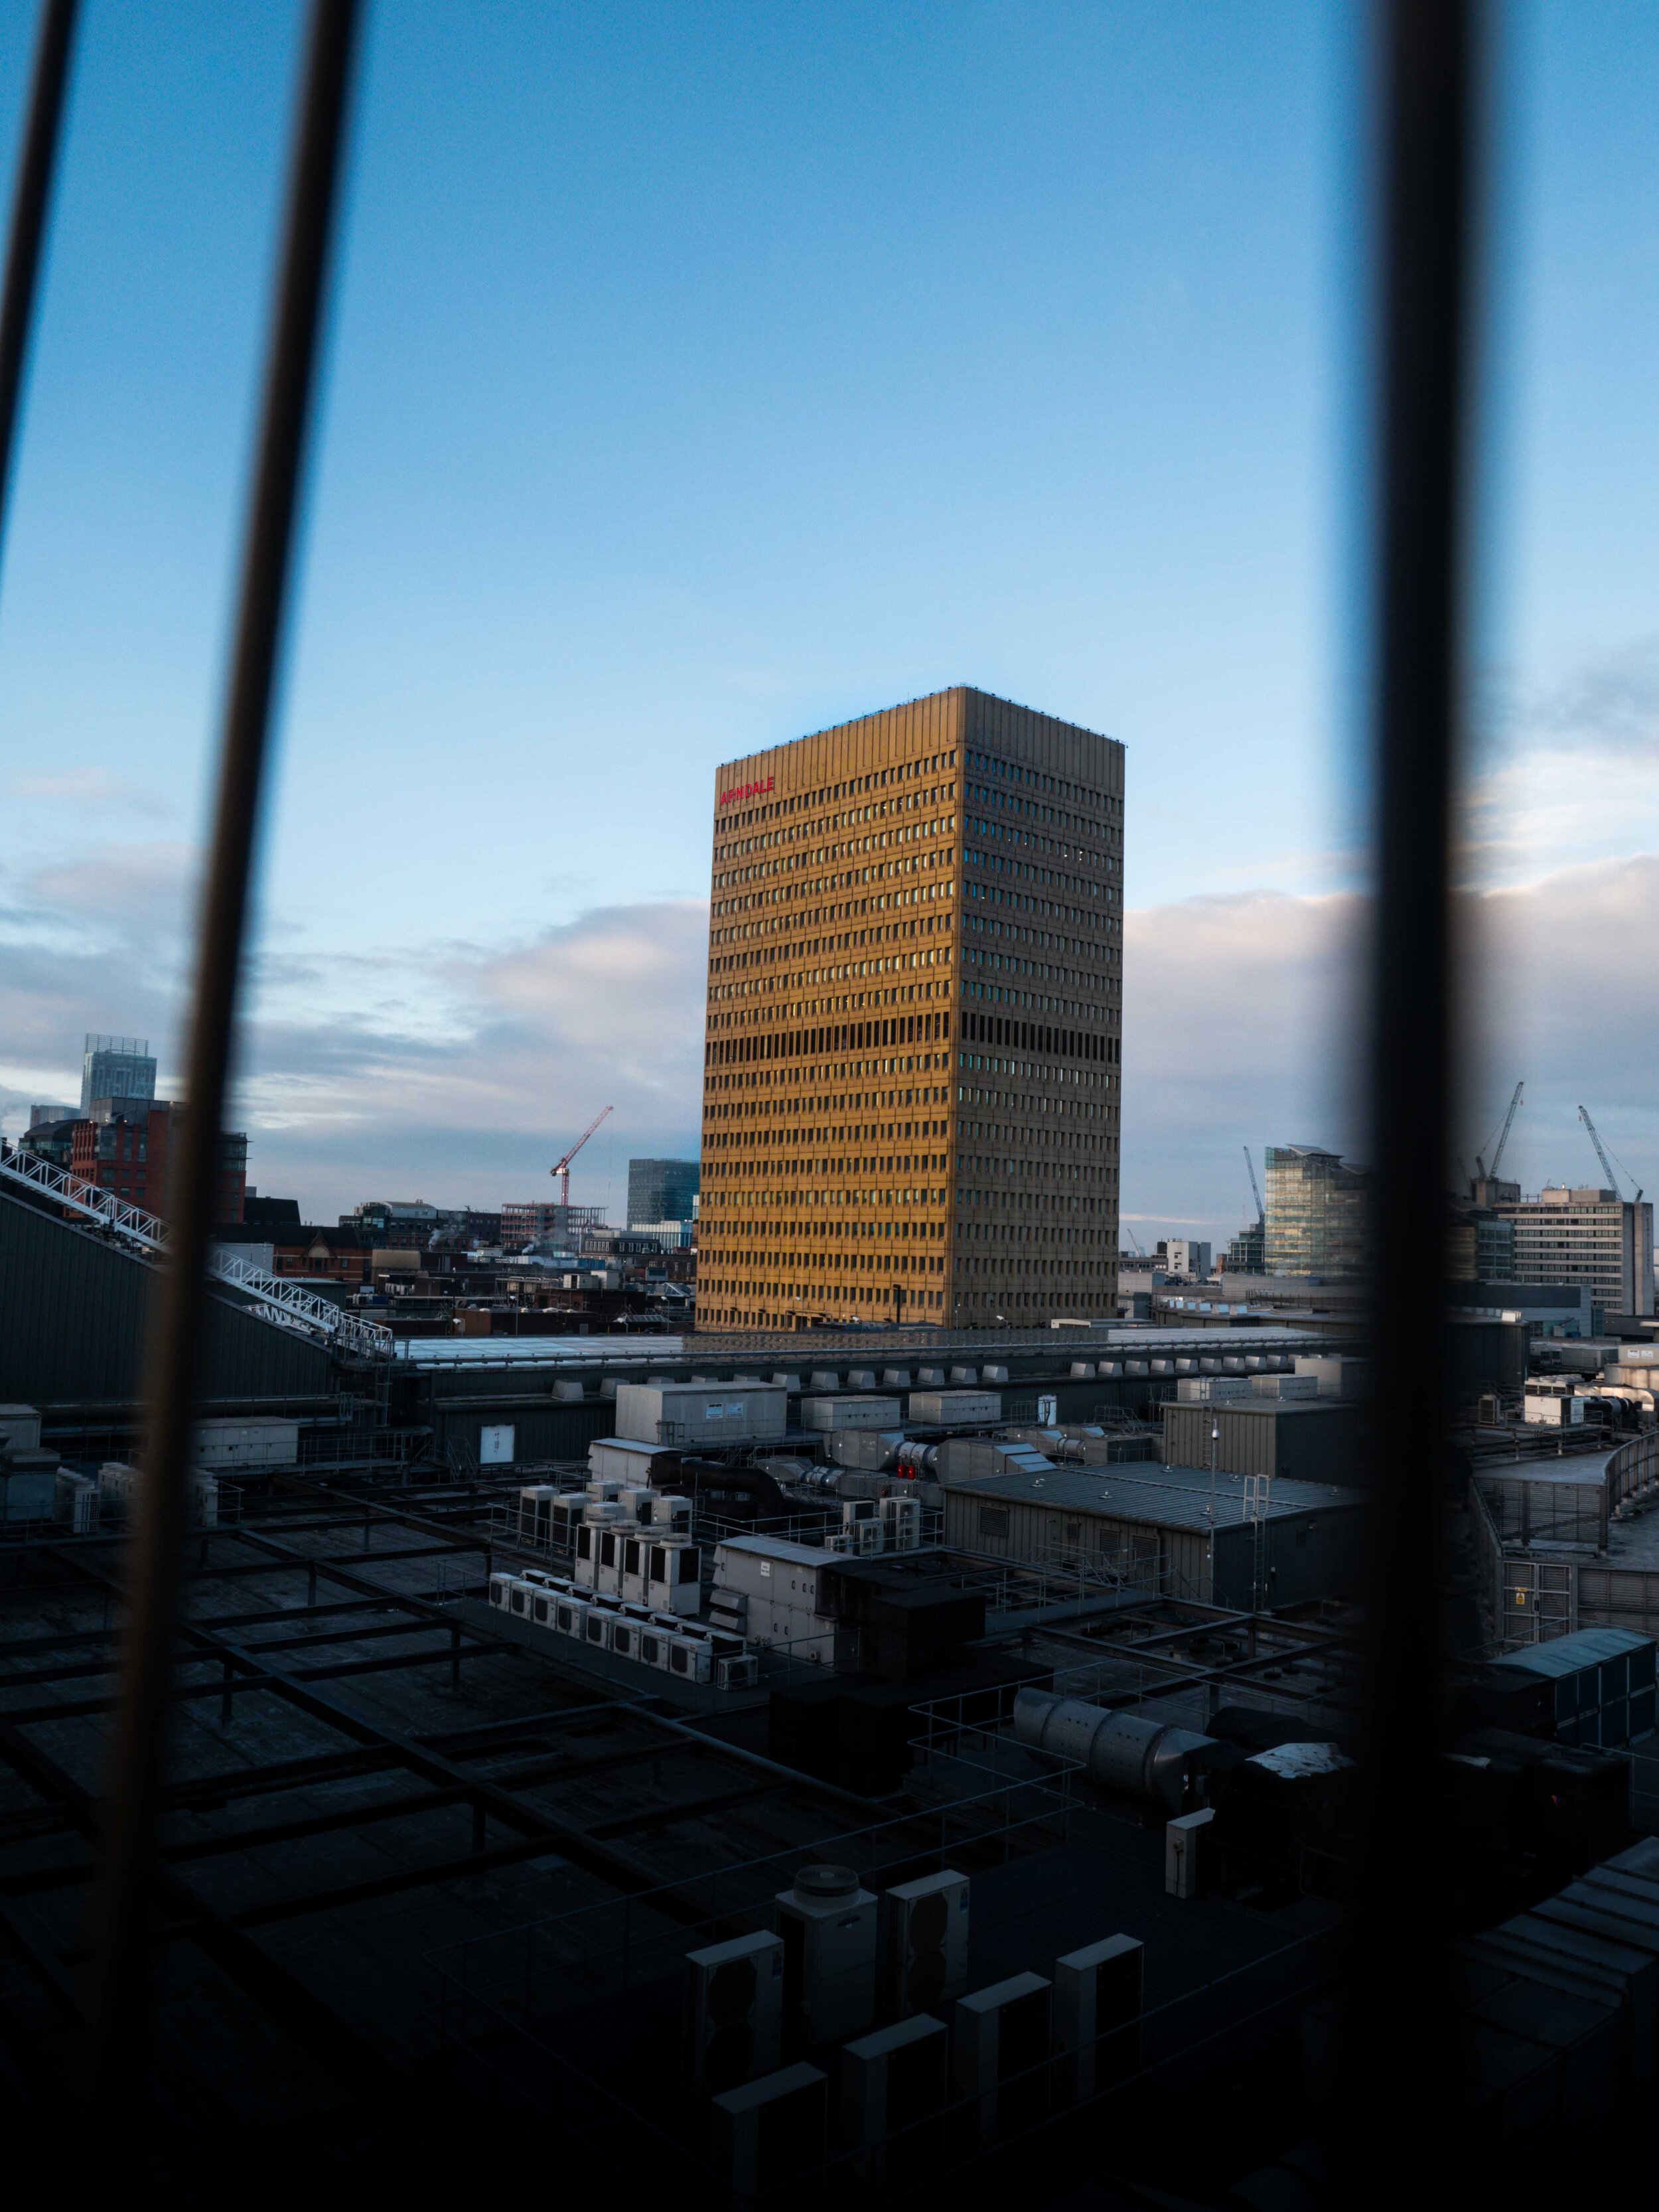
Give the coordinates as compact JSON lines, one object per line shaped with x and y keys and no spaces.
{"x":912,"y":1051}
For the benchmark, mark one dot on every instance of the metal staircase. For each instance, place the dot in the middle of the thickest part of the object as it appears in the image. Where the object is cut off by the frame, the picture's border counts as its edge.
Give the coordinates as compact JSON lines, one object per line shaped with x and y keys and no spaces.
{"x":287,"y":1304}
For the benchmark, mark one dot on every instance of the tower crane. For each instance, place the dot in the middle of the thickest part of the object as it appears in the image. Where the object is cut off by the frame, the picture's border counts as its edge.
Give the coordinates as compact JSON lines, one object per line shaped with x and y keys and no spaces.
{"x":562,"y":1168}
{"x":1255,"y":1191}
{"x":1602,"y":1153}
{"x":1482,"y":1171}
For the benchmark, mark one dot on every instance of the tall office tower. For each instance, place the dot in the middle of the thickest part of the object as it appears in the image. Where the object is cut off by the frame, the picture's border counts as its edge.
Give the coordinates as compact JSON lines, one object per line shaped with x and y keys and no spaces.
{"x":911,"y":1065}
{"x":116,"y":1068}
{"x":661,"y":1190}
{"x":1317,"y":1213}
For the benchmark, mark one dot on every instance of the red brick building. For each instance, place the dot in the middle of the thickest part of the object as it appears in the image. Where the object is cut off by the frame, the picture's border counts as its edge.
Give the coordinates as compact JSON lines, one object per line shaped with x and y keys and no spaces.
{"x":127,"y":1154}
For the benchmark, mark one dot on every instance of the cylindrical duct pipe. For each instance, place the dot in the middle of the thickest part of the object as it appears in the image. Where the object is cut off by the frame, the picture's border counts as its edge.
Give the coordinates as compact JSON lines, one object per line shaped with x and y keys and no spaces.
{"x":1138,"y":1757}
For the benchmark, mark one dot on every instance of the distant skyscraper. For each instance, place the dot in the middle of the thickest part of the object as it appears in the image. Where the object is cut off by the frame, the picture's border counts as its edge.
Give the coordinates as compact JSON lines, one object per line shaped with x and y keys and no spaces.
{"x":1585,"y":1237}
{"x":662,"y":1190}
{"x":116,"y":1068}
{"x":910,"y":1072}
{"x":1317,"y":1207}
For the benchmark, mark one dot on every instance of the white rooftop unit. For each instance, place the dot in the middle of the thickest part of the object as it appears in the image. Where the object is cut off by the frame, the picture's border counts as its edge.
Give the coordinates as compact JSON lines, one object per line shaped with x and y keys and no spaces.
{"x":924,"y":1941}
{"x":1001,"y":2054}
{"x":734,"y":2011}
{"x":697,"y":1415}
{"x":622,"y":1460}
{"x":766,"y":2133}
{"x":1284,"y":1386}
{"x":224,"y":1445}
{"x":955,"y":1408}
{"x":894,"y":2087}
{"x":827,"y":1923}
{"x":849,"y":1412}
{"x":1098,"y":1994}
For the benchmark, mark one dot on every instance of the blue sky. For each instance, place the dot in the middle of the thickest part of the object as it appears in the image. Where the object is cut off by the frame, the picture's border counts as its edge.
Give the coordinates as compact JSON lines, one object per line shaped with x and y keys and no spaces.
{"x":701,"y":375}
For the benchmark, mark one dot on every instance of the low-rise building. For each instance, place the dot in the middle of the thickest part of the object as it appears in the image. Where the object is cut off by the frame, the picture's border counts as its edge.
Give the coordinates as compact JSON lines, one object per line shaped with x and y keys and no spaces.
{"x":1179,"y":1531}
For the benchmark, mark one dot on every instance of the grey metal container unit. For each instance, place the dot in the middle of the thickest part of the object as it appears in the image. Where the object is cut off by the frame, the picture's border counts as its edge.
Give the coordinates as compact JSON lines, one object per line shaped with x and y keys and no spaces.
{"x":1308,"y":1440}
{"x":1155,"y":1525}
{"x":699,"y":1414}
{"x":1604,"y":1682}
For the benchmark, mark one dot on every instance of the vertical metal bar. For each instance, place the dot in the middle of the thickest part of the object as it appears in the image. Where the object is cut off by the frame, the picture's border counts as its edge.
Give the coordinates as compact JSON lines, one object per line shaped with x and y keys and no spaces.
{"x":1396,"y":2054}
{"x":35,"y":170}
{"x":171,"y":1374}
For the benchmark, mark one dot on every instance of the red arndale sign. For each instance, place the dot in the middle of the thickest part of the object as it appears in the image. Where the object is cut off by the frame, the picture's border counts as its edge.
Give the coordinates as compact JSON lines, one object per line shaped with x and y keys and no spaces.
{"x":740,"y":791}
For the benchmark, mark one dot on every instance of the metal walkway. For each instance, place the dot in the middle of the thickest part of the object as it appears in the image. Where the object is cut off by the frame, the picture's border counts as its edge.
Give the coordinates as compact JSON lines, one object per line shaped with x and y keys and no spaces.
{"x":289,"y":1304}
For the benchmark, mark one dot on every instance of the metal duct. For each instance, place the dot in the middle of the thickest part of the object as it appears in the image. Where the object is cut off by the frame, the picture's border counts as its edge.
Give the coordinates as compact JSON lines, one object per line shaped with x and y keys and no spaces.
{"x":1138,"y":1757}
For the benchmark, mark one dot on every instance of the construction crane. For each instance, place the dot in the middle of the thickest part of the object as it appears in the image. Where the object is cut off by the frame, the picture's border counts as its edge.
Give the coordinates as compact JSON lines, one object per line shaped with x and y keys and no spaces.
{"x":561,"y":1169}
{"x":1255,"y":1190}
{"x":1482,"y":1171}
{"x":1601,"y":1154}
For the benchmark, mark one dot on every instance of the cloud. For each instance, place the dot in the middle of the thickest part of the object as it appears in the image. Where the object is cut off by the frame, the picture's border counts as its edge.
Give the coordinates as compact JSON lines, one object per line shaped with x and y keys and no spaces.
{"x":459,"y":1071}
{"x":90,"y":791}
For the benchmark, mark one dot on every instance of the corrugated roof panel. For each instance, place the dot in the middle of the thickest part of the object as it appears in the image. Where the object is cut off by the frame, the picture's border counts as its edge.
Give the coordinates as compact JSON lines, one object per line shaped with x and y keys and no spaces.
{"x":1571,"y":1655}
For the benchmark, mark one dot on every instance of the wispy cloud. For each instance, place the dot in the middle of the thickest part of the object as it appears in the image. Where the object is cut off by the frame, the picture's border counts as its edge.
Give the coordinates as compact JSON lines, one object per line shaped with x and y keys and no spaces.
{"x":89,"y":791}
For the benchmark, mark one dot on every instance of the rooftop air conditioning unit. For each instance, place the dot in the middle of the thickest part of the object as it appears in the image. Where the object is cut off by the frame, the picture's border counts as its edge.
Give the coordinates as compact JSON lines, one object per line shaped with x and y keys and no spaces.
{"x":638,"y":1503}
{"x":636,"y":1561}
{"x":519,"y":1597}
{"x":536,"y":1513}
{"x":75,"y":1503}
{"x":741,"y":1671}
{"x":729,"y":1609}
{"x":501,"y":1588}
{"x":900,"y":1518}
{"x":625,"y":1635}
{"x":596,"y":1625}
{"x":688,"y":1658}
{"x":603,"y":1489}
{"x":608,"y":1561}
{"x":542,"y":1603}
{"x":674,"y":1577}
{"x":924,"y":1942}
{"x":570,"y":1617}
{"x":894,"y":2085}
{"x":669,"y":1511}
{"x":1098,"y":2005}
{"x":827,"y":1923}
{"x":1001,"y":2055}
{"x":765,"y":2136}
{"x":586,"y":1560}
{"x":733,"y":2012}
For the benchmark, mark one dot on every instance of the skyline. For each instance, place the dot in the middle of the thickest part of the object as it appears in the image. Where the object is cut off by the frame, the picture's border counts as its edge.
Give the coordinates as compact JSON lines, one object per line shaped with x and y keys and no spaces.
{"x":617,"y":479}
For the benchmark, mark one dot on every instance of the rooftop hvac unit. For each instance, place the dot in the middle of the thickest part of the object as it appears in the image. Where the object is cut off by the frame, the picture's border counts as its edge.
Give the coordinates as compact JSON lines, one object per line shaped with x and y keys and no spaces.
{"x":1001,"y":2055}
{"x":741,"y":1671}
{"x":674,"y":1579}
{"x":542,"y":1603}
{"x":858,"y":1539}
{"x":1097,"y":2004}
{"x":570,"y":1617}
{"x":75,"y":1503}
{"x":733,"y":2012}
{"x":625,"y":1635}
{"x":900,"y":1518}
{"x":827,"y":1923}
{"x":688,"y":1658}
{"x":1184,"y":1841}
{"x":596,"y":1625}
{"x":585,"y":1564}
{"x":536,"y":1513}
{"x":637,"y":1503}
{"x":924,"y":1942}
{"x":501,"y":1589}
{"x":729,"y":1609}
{"x":670,"y":1511}
{"x":518,"y":1599}
{"x":608,"y":1561}
{"x":768,"y":2134}
{"x":894,"y":2085}
{"x":602,"y":1490}
{"x":635,"y":1560}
